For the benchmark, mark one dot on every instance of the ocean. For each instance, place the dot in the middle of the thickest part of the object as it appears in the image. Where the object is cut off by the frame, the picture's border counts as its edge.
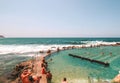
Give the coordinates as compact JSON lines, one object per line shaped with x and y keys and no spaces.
{"x":16,"y":50}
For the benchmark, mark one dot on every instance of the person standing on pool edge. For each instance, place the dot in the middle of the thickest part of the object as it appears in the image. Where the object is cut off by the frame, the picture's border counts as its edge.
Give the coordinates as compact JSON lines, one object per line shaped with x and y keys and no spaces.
{"x":64,"y":80}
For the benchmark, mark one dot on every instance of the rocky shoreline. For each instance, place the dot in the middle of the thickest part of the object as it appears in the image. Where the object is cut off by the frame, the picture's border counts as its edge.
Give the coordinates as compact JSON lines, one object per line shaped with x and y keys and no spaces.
{"x":13,"y":77}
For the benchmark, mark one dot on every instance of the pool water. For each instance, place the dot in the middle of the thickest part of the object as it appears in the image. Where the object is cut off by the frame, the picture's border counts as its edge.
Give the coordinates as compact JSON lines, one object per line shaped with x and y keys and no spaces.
{"x":77,"y":70}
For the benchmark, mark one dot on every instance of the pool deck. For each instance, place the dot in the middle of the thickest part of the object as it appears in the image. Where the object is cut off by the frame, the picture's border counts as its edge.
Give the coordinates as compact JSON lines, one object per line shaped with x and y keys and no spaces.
{"x":37,"y":69}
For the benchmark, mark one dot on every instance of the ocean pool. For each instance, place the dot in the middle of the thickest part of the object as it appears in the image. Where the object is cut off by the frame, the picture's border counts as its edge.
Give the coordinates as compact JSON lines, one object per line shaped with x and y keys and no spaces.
{"x":76,"y":70}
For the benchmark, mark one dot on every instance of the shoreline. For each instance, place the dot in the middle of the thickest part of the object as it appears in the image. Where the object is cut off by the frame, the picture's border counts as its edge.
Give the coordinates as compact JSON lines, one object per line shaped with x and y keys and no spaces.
{"x":28,"y":63}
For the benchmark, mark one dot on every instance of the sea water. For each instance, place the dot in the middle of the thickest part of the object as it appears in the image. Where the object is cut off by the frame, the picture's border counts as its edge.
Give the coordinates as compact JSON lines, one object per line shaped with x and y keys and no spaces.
{"x":15,"y":50}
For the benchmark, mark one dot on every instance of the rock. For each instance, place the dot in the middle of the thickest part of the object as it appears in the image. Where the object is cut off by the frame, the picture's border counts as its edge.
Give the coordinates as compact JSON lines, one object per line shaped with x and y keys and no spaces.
{"x":13,"y":76}
{"x":118,"y":43}
{"x":1,"y":36}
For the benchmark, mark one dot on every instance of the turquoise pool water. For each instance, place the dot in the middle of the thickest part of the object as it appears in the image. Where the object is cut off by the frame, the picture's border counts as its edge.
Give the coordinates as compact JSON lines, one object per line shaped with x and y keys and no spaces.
{"x":73,"y":69}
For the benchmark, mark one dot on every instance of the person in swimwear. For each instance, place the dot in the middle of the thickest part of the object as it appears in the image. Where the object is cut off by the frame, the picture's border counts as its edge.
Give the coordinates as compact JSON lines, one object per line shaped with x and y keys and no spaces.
{"x":64,"y":80}
{"x":34,"y":79}
{"x":49,"y":76}
{"x":43,"y":70}
{"x":26,"y":77}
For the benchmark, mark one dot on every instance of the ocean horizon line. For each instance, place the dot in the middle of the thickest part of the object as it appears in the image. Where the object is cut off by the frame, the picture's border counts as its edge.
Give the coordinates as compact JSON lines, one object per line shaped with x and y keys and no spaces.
{"x":62,"y":37}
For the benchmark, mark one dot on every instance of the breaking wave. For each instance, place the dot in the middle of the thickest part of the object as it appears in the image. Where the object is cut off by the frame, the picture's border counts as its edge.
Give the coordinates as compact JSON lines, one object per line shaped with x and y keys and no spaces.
{"x":29,"y":48}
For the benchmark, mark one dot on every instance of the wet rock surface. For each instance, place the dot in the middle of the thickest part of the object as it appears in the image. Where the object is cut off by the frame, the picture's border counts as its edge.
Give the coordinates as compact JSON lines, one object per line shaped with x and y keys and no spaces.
{"x":14,"y":75}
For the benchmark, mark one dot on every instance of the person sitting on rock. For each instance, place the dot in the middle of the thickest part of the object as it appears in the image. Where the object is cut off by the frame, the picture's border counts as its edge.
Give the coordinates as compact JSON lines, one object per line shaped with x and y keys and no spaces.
{"x":44,"y":63}
{"x":34,"y":79}
{"x":25,"y":76}
{"x":49,"y":76}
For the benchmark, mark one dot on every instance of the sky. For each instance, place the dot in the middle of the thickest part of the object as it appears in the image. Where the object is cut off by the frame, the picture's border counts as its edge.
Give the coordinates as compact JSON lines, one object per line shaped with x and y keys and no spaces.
{"x":60,"y":18}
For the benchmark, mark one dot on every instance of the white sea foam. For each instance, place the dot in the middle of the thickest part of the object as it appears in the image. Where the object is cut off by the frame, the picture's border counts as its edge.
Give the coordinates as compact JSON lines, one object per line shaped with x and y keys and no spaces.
{"x":98,"y":42}
{"x":19,"y":49}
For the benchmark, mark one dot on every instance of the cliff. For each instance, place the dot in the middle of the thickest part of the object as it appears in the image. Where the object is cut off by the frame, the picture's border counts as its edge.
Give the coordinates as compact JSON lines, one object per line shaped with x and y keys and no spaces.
{"x":1,"y":36}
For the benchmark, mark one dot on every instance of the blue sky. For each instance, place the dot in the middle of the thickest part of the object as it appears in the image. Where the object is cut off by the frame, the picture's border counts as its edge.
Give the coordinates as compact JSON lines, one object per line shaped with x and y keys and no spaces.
{"x":60,"y":18}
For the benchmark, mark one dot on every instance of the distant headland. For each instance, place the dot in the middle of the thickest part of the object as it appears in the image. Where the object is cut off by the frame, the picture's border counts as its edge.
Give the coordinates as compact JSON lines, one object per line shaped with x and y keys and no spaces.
{"x":1,"y":36}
